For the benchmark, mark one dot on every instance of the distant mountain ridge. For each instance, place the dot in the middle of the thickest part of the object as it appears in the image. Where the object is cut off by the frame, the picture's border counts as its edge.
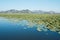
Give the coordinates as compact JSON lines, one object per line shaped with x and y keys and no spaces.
{"x":27,"y":11}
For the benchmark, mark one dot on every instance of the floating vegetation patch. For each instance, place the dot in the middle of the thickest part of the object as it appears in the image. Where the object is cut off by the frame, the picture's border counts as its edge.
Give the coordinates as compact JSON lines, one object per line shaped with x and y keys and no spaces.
{"x":42,"y":22}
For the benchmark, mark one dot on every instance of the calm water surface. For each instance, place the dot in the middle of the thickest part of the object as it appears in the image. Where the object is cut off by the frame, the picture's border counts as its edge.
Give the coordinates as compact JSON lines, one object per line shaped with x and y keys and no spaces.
{"x":14,"y":31}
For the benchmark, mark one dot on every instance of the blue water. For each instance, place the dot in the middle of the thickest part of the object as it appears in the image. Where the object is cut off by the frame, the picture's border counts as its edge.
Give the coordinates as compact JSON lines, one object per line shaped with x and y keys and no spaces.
{"x":13,"y":31}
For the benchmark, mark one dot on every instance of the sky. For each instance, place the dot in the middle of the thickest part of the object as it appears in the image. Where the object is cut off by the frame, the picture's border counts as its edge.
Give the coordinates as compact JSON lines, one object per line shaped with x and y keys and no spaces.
{"x":45,"y":5}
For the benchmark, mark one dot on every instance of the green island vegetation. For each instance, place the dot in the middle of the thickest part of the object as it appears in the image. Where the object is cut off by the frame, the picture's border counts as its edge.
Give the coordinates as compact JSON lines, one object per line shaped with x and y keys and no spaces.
{"x":52,"y":21}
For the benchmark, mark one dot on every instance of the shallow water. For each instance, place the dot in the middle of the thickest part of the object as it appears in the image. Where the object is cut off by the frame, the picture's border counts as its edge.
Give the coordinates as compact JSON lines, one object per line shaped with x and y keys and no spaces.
{"x":20,"y":31}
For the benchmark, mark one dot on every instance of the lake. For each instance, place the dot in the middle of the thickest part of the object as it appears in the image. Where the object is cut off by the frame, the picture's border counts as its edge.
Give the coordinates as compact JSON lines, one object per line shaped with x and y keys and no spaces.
{"x":10,"y":30}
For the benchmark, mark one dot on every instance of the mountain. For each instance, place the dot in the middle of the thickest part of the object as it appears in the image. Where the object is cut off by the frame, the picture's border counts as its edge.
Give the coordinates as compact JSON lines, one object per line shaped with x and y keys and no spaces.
{"x":16,"y":11}
{"x":27,"y":11}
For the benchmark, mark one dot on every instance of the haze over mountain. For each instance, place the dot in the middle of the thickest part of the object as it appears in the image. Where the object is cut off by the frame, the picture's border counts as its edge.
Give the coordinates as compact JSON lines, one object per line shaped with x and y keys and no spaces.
{"x":27,"y":11}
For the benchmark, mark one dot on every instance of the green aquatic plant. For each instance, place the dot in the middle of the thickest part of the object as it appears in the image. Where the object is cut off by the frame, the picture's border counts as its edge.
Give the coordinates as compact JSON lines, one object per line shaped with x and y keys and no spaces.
{"x":51,"y":21}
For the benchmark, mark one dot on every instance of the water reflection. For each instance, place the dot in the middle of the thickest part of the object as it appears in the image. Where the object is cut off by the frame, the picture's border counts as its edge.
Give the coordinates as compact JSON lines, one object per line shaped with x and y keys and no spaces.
{"x":22,"y":31}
